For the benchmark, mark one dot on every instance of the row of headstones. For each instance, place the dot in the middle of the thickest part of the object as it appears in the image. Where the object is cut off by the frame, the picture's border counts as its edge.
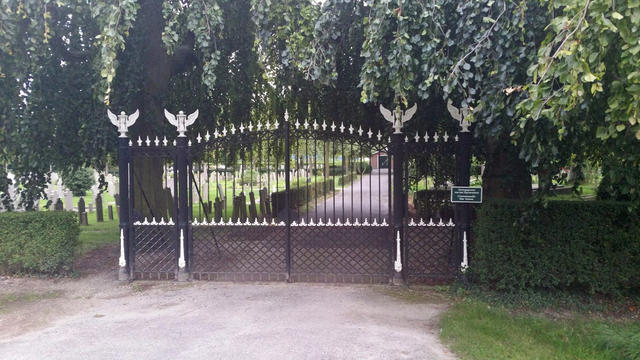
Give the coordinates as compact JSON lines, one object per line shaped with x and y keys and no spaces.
{"x":82,"y":213}
{"x":239,"y":209}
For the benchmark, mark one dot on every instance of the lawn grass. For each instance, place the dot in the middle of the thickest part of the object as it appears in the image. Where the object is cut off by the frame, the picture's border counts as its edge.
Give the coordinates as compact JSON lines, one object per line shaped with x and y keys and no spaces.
{"x":97,"y":234}
{"x":475,"y":329}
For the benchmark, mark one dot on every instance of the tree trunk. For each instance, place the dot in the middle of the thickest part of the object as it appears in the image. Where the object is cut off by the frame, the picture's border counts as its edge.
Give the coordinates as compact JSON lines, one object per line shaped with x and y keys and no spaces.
{"x":506,"y":175}
{"x":149,"y":195}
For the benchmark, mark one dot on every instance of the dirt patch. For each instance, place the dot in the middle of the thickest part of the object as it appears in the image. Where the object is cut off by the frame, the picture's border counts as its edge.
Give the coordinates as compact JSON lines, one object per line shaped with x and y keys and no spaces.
{"x":100,"y":260}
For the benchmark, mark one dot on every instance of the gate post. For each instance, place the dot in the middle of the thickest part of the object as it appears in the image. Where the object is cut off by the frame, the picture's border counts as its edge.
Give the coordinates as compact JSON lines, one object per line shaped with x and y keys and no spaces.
{"x":462,"y":211}
{"x":287,"y":180}
{"x":397,"y":118}
{"x":123,"y":122}
{"x":183,"y":208}
{"x":463,"y":173}
{"x":398,"y":209}
{"x":125,"y":268}
{"x":181,"y":121}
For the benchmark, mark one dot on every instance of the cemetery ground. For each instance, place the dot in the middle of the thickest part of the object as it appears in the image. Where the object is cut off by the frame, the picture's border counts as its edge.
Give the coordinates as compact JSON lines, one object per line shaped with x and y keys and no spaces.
{"x":98,"y":317}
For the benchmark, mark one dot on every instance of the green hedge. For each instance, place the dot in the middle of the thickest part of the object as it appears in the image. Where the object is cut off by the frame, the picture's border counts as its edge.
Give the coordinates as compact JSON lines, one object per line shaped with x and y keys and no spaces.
{"x":591,"y":246}
{"x":37,"y":242}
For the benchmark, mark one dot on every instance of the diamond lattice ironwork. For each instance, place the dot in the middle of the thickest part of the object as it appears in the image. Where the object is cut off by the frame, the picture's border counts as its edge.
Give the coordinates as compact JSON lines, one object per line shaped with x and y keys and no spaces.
{"x":239,"y":249}
{"x":362,"y":250}
{"x":155,"y":248}
{"x":429,"y":253}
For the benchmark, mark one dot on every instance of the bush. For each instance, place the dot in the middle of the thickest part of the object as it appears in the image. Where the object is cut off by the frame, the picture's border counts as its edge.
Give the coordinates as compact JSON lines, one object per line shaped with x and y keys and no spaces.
{"x":79,"y":182}
{"x":37,"y":242}
{"x":591,"y":246}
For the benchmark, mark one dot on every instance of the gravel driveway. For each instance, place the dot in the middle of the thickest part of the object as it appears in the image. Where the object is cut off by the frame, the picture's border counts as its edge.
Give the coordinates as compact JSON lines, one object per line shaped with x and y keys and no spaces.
{"x":96,"y":317}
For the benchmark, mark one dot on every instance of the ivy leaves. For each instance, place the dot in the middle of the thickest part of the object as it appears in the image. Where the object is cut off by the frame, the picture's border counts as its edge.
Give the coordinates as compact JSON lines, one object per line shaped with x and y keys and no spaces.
{"x":590,"y":56}
{"x":114,"y":19}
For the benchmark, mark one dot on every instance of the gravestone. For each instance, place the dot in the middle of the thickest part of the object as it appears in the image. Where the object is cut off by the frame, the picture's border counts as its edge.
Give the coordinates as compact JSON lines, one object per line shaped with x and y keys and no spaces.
{"x":82,"y":214}
{"x":253,"y":212}
{"x":217,"y":210}
{"x":81,"y":205}
{"x":221,"y":195}
{"x":99,"y":211}
{"x":58,"y":206}
{"x":68,"y":200}
{"x":243,"y":207}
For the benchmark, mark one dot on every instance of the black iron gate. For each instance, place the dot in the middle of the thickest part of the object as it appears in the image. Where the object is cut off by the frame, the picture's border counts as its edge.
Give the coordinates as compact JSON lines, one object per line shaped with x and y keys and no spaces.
{"x":289,"y":202}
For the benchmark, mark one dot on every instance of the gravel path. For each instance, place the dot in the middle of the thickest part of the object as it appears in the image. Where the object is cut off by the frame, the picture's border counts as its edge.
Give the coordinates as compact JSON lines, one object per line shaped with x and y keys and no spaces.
{"x":367,"y":197}
{"x":95,"y":317}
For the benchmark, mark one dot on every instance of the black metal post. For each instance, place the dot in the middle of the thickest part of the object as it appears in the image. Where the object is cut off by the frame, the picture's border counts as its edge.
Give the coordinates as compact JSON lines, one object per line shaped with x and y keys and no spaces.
{"x":462,"y":211}
{"x":183,"y":208}
{"x":125,"y":272}
{"x":287,"y":159}
{"x":397,"y":142}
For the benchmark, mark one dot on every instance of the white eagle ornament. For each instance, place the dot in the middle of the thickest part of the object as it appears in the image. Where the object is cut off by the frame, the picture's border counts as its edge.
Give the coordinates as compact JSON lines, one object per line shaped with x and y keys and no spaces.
{"x":123,"y":121}
{"x":398,"y":117}
{"x":181,"y":121}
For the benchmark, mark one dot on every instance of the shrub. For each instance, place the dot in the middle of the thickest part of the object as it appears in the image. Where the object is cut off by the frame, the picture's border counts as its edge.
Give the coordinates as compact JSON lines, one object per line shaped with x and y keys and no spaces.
{"x":591,"y":246}
{"x":37,"y":242}
{"x":79,"y":182}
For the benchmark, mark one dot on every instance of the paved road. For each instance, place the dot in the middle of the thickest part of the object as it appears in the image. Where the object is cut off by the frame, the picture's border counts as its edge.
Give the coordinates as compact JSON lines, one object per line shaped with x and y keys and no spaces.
{"x":96,"y":318}
{"x":367,"y":197}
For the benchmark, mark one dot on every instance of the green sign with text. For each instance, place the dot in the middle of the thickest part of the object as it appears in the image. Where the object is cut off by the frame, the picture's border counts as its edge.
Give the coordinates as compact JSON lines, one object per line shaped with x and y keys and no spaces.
{"x":466,"y":194}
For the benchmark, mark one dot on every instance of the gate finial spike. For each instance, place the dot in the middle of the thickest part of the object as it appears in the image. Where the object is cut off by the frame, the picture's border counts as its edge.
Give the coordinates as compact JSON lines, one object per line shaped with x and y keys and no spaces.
{"x":207,"y":136}
{"x":333,"y":126}
{"x":369,"y":133}
{"x":286,"y":115}
{"x":384,"y":222}
{"x":351,"y":129}
{"x":199,"y":138}
{"x":417,"y":137}
{"x":241,"y":128}
{"x":421,"y":223}
{"x":156,"y":142}
{"x":139,"y":141}
{"x":297,"y":124}
{"x":338,"y":223}
{"x":342,"y":127}
{"x":329,"y":223}
{"x":259,"y":126}
{"x":233,"y":129}
{"x":315,"y":124}
{"x":375,"y":222}
{"x":224,"y":131}
{"x":379,"y":136}
{"x":431,"y":223}
{"x":164,"y":141}
{"x":130,"y":143}
{"x":306,"y":124}
{"x":250,"y":127}
{"x":412,"y":223}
